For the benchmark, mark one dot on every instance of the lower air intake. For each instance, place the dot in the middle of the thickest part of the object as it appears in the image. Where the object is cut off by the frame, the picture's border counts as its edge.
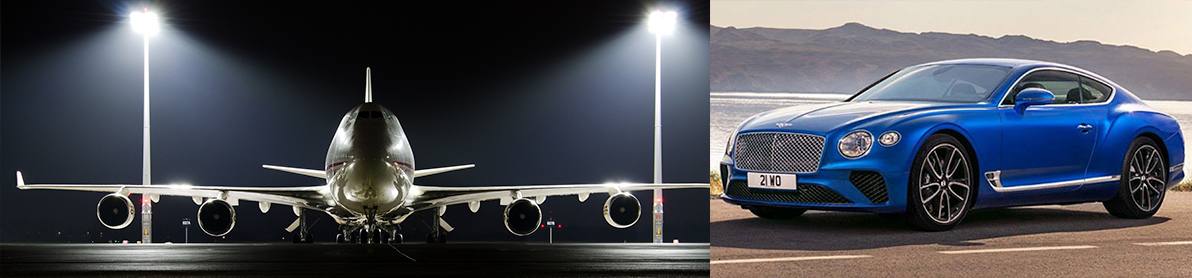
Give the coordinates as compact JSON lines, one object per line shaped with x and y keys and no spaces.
{"x":871,"y":185}
{"x":807,"y":193}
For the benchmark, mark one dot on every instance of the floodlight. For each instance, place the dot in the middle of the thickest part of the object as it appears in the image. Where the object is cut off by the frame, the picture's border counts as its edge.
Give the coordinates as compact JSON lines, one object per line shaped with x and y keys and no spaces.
{"x":145,"y":22}
{"x":662,"y":23}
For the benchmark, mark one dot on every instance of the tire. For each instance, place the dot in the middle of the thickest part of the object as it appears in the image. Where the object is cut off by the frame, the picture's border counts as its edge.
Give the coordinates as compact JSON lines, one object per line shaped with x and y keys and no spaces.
{"x":776,"y":213}
{"x":937,"y":184}
{"x":1143,"y":184}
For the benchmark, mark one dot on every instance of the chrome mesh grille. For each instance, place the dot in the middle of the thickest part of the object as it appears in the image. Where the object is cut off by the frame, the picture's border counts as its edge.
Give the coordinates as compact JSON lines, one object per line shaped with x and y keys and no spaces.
{"x":779,"y":152}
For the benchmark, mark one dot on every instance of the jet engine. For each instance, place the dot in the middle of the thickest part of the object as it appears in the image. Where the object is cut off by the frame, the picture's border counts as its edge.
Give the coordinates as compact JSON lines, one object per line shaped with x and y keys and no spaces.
{"x":216,"y":217}
{"x":622,"y":210}
{"x":522,"y":217}
{"x":115,"y":211}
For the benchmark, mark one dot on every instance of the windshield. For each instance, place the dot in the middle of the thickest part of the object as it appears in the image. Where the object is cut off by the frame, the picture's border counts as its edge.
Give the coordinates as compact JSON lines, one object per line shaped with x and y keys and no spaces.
{"x":937,"y":83}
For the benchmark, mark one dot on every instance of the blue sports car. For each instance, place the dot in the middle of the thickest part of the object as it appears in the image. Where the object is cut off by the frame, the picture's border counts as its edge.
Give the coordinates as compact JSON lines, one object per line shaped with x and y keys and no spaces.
{"x":933,"y":141}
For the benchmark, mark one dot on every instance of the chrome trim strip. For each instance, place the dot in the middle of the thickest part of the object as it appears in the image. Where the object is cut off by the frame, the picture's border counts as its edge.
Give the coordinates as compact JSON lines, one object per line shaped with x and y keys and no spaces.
{"x":1112,"y":87}
{"x":1177,"y":167}
{"x":1059,"y":184}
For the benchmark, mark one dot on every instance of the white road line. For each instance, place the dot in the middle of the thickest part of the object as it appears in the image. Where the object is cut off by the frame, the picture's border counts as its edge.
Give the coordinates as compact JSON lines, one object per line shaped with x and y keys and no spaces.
{"x":1023,"y":249}
{"x":1164,"y":243}
{"x":790,"y":259}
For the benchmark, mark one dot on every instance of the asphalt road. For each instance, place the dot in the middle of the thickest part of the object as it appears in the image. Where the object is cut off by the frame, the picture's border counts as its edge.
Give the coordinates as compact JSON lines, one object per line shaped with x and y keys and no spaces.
{"x":346,"y":260}
{"x":1040,"y":241}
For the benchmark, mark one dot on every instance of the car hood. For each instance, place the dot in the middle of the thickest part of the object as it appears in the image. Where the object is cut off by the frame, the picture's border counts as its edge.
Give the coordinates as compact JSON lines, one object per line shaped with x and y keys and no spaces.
{"x":823,"y":118}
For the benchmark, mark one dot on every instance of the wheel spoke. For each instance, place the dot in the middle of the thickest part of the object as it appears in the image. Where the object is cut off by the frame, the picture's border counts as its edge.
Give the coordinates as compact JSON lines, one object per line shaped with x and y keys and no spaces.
{"x":1150,"y":165}
{"x":943,"y":205}
{"x":932,"y":162}
{"x":1136,"y":164}
{"x":958,"y":196}
{"x":1152,"y":186}
{"x":928,"y":199}
{"x":948,"y":168}
{"x":1134,"y":187}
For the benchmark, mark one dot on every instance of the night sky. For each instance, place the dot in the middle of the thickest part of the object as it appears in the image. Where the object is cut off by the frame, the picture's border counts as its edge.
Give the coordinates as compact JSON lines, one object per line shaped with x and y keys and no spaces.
{"x":547,"y":92}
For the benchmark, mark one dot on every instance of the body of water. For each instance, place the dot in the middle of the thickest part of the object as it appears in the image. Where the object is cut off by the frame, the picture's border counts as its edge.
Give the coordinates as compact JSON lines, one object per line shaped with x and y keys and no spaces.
{"x":730,"y":108}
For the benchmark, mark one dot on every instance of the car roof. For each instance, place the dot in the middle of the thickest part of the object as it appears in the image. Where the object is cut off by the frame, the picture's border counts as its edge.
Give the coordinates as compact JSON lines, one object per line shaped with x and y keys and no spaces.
{"x":1010,"y":63}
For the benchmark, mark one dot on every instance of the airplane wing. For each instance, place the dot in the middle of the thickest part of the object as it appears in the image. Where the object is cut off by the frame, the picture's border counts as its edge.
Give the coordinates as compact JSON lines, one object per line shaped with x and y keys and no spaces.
{"x":305,"y":197}
{"x":437,"y":196}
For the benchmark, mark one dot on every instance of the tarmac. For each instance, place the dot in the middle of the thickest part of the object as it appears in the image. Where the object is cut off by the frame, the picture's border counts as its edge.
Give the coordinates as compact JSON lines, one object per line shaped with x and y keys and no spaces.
{"x":1080,"y":240}
{"x":339,"y":260}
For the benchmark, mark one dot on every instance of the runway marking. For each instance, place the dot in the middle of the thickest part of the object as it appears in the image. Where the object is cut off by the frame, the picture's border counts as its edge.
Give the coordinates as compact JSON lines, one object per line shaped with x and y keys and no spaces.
{"x":1023,"y":249}
{"x":790,"y":259}
{"x":1163,"y":243}
{"x":399,"y":252}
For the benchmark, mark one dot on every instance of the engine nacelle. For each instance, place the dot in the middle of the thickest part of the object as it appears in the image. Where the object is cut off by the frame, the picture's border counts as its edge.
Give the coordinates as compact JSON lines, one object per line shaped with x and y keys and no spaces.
{"x":622,"y":210}
{"x":115,"y":211}
{"x":216,"y":217}
{"x":522,"y":217}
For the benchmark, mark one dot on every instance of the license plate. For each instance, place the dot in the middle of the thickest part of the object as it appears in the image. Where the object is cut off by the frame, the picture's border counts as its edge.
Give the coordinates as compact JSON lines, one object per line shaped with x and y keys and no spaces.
{"x":771,"y":181}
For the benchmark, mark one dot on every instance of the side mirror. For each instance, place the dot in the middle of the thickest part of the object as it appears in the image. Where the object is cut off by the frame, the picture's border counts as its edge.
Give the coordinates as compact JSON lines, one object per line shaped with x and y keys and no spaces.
{"x":1030,"y":97}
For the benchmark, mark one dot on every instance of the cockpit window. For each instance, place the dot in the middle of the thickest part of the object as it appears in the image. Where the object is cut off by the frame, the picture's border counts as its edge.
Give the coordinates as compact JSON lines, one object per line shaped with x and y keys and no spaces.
{"x":376,"y":114}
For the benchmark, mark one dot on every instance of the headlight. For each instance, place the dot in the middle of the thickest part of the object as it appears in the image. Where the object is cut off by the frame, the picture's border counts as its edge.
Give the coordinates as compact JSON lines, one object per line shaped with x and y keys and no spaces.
{"x":889,"y":138}
{"x":732,"y":138}
{"x":855,"y":144}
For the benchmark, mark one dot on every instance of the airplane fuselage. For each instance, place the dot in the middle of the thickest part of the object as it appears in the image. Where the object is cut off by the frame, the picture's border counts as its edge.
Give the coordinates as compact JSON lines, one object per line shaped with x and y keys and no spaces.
{"x":369,"y":165}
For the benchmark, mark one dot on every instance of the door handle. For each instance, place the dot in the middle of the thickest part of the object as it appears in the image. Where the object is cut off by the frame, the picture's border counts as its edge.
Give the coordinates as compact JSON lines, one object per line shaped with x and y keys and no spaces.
{"x":1085,"y":128}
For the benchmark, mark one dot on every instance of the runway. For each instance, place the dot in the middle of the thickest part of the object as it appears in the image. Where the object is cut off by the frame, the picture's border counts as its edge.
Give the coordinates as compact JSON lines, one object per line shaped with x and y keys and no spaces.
{"x":339,"y":260}
{"x":1040,"y":241}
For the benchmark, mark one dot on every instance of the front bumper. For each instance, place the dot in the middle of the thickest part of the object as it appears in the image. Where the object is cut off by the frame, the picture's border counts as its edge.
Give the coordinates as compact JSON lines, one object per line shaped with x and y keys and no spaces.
{"x":860,"y":187}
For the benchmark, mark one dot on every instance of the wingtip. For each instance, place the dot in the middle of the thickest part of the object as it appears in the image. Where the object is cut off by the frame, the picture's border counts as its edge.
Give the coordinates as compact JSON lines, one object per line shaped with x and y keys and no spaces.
{"x":20,"y":180}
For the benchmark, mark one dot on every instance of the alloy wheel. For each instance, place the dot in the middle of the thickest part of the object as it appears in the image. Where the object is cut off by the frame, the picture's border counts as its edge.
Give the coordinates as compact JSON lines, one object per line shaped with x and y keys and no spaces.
{"x":1146,"y":178}
{"x":944,"y":183}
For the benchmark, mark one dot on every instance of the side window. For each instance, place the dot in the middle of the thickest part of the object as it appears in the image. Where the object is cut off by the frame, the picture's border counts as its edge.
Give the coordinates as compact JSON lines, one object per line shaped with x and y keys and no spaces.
{"x":1094,"y":91}
{"x":1061,"y":84}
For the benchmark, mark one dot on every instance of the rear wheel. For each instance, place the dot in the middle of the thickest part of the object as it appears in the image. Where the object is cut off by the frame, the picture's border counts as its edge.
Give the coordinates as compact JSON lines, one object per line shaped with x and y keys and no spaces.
{"x":1143,"y":183}
{"x":776,"y":213}
{"x":941,"y":185}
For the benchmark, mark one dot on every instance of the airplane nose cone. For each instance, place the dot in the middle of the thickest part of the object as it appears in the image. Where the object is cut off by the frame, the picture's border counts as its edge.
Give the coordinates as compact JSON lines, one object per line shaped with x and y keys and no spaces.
{"x":370,"y":184}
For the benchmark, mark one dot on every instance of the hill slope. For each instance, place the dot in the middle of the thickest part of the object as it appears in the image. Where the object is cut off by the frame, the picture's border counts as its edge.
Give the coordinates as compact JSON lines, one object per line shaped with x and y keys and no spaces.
{"x":846,"y":58}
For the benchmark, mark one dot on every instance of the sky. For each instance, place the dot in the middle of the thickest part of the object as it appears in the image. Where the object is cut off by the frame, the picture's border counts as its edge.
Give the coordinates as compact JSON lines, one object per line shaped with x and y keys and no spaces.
{"x":1155,"y":25}
{"x":533,"y":93}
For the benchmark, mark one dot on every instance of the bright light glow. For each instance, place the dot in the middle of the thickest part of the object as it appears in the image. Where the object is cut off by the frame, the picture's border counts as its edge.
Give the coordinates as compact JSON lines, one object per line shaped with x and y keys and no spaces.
{"x":662,"y":23}
{"x":145,"y":22}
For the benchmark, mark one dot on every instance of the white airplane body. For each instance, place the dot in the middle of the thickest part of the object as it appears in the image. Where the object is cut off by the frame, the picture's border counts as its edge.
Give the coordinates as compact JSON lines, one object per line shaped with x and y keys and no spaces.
{"x":369,"y":173}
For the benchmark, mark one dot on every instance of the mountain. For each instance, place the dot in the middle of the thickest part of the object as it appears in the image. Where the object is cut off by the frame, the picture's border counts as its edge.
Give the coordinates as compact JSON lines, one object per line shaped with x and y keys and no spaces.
{"x":845,"y":59}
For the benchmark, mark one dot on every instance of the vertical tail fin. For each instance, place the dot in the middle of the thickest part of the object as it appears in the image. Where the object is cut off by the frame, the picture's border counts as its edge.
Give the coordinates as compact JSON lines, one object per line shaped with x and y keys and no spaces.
{"x":367,"y":85}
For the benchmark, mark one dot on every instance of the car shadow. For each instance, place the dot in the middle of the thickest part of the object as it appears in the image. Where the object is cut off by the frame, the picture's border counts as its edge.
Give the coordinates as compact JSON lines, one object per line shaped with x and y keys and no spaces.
{"x":826,"y":231}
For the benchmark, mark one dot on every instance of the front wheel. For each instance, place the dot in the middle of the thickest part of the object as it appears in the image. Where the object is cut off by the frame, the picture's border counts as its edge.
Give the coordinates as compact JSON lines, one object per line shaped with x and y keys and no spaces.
{"x":941,"y":186}
{"x":1143,"y":183}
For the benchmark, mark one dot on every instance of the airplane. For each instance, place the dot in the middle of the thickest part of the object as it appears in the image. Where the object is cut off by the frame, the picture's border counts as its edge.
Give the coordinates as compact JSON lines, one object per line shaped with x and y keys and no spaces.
{"x":369,"y":189}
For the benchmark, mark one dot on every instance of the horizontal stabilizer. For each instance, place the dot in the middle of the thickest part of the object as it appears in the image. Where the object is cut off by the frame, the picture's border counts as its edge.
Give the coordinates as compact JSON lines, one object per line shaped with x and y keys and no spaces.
{"x":432,"y":171}
{"x":307,"y":172}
